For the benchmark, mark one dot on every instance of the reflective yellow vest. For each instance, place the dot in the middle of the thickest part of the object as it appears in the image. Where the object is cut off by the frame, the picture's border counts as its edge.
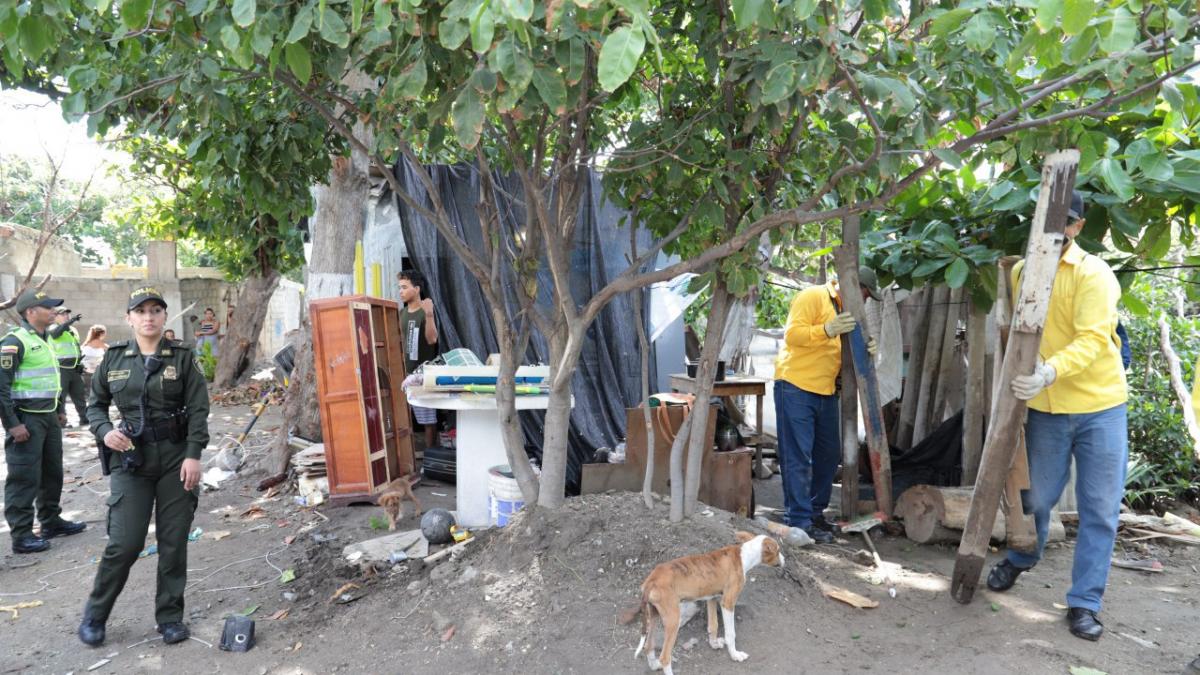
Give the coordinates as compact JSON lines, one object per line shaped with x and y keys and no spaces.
{"x":66,"y":348}
{"x":37,"y":374}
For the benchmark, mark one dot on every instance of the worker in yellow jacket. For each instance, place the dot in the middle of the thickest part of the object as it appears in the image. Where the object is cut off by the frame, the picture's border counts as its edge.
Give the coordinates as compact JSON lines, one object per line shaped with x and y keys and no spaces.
{"x":1076,"y":396}
{"x":806,"y":404}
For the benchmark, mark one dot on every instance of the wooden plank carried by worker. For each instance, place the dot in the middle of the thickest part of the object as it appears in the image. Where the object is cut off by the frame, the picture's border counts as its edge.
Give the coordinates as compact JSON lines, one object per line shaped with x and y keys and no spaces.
{"x":1029,"y":317}
{"x":846,"y":259}
{"x":848,"y":405}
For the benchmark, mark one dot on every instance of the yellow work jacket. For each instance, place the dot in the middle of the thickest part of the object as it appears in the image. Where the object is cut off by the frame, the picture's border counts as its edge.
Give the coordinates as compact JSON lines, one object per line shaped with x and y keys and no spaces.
{"x":810,"y":359}
{"x":1080,"y":339}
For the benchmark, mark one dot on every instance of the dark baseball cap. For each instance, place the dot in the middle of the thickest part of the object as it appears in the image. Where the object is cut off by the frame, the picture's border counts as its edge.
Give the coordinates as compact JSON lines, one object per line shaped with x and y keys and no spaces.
{"x":145,"y":294}
{"x":1075,"y":210}
{"x":35,"y":298}
{"x":868,"y":280}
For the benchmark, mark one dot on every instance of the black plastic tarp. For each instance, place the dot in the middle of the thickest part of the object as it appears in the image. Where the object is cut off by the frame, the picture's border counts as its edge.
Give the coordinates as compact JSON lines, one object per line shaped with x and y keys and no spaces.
{"x":608,"y":377}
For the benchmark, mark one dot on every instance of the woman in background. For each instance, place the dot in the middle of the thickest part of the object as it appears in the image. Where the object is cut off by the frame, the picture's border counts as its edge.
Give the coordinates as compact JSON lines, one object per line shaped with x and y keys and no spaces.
{"x":93,"y":349}
{"x":209,"y":327}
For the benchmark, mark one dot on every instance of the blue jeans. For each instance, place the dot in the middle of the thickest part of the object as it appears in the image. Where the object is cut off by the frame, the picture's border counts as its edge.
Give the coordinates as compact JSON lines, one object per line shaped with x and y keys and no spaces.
{"x":809,"y":432}
{"x":1099,"y":443}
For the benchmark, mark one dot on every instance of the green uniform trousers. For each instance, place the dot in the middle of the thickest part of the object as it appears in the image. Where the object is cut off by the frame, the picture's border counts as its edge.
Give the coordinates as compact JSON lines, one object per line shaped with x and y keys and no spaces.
{"x":35,"y":473}
{"x":72,"y":389}
{"x":155,"y":489}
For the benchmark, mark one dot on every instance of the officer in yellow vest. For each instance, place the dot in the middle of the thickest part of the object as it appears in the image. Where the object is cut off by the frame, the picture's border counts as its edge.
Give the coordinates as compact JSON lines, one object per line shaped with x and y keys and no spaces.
{"x":70,"y":367}
{"x":31,"y":409}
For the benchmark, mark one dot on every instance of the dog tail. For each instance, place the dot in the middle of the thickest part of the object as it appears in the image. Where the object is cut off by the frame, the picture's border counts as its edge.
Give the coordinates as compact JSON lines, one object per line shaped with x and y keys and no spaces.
{"x":647,"y":610}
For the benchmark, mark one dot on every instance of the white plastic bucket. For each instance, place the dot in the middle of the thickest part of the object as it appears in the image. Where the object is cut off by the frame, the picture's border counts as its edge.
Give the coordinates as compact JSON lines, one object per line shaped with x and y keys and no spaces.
{"x":504,"y":495}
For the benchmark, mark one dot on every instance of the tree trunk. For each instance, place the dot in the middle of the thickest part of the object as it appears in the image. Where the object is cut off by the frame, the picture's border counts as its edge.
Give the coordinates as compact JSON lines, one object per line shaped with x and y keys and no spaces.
{"x":564,"y":355}
{"x":935,"y":515}
{"x":698,"y":444}
{"x":336,"y":227}
{"x":240,"y":346}
{"x":919,"y":333}
{"x":1177,"y":383}
{"x":511,"y":350}
{"x":676,"y":479}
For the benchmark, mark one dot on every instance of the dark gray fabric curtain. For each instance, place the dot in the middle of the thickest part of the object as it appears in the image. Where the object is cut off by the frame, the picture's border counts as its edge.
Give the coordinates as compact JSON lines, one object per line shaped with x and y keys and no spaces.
{"x":608,"y":378}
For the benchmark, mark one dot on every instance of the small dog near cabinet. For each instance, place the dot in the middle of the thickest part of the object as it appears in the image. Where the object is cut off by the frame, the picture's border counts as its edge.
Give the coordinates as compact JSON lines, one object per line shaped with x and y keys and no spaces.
{"x":392,"y":500}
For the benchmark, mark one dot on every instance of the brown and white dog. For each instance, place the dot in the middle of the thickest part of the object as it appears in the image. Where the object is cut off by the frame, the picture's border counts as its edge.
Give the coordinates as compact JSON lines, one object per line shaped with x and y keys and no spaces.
{"x":701,"y":577}
{"x":392,"y":501}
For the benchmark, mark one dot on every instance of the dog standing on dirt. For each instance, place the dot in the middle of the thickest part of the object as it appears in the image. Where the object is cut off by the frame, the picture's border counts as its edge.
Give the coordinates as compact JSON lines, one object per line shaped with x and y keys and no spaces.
{"x":700,"y":577}
{"x":392,"y":501}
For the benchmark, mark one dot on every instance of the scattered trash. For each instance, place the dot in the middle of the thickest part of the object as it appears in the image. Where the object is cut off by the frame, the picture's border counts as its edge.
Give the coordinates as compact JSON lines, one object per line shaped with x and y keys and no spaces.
{"x":99,"y":664}
{"x":792,"y":536}
{"x":691,"y":643}
{"x":150,"y":550}
{"x":892,"y":592}
{"x":253,"y":513}
{"x":397,"y":557}
{"x":343,"y":590}
{"x":287,"y":576}
{"x":238,"y":634}
{"x":195,"y":534}
{"x":280,"y":615}
{"x":213,"y":478}
{"x":995,"y":606}
{"x":1084,"y":670}
{"x":436,"y":524}
{"x":449,"y":633}
{"x":1140,"y":565}
{"x":20,"y":605}
{"x":1141,"y":641}
{"x":248,"y":611}
{"x":1059,"y":605}
{"x":438,"y":494}
{"x":218,"y":535}
{"x":459,"y":534}
{"x":850,"y":598}
{"x":287,"y":541}
{"x":321,"y":537}
{"x":271,"y":481}
{"x":314,"y":489}
{"x":411,"y":543}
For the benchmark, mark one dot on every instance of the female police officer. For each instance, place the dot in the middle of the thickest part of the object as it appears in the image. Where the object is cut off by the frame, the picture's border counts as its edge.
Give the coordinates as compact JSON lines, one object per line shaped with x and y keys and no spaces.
{"x":155,"y":461}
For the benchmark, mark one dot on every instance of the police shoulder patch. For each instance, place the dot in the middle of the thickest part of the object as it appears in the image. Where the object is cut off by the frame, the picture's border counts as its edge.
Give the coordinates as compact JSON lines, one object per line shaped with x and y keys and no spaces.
{"x":118,"y":375}
{"x":9,"y":349}
{"x":6,"y":361}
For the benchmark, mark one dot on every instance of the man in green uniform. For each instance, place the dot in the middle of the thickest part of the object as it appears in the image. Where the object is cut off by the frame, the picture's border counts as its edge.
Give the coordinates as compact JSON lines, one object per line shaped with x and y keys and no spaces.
{"x":70,"y":368}
{"x":162,"y":396}
{"x":32,"y":412}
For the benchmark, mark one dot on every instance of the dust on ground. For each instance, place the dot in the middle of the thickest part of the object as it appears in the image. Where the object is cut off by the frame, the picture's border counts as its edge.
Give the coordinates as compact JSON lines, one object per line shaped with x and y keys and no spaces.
{"x":543,"y":595}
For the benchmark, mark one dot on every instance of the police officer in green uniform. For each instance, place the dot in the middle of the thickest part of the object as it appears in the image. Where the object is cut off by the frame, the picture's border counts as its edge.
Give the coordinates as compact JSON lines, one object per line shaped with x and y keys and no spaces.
{"x":32,"y":412}
{"x":154,"y":459}
{"x":70,"y":366}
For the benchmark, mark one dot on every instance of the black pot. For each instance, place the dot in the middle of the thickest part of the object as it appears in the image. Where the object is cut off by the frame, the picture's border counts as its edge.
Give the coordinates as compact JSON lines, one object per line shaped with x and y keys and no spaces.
{"x":692,"y":366}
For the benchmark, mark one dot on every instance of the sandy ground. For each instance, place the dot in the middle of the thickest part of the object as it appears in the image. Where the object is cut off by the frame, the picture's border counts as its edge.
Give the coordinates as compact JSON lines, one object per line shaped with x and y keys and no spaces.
{"x":543,"y":595}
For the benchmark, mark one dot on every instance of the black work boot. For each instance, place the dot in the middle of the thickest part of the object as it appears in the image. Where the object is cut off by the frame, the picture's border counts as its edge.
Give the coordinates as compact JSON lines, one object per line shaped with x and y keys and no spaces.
{"x":1084,"y":624}
{"x":821,"y":523}
{"x":91,"y":631}
{"x":60,"y":527}
{"x":1003,"y":575}
{"x":818,"y":535}
{"x":174,"y":631}
{"x":29,"y":543}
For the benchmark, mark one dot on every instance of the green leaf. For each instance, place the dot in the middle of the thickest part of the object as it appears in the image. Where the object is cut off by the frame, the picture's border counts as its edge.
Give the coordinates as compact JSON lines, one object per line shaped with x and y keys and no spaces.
{"x":550,"y":87}
{"x":618,"y":57}
{"x":573,"y":57}
{"x":804,"y":9}
{"x":515,"y":66}
{"x":779,"y":84}
{"x":1116,"y":178}
{"x":1047,"y":15}
{"x":1118,"y":34}
{"x":467,"y":113}
{"x":300,"y":25}
{"x":248,"y":611}
{"x":356,"y":15}
{"x":949,"y":22}
{"x":333,"y":28}
{"x":135,"y":14}
{"x":244,"y":11}
{"x":1076,"y":15}
{"x":1082,"y":46}
{"x":411,"y":81}
{"x":949,"y":156}
{"x":746,"y":12}
{"x":1135,"y":305}
{"x":230,"y":38}
{"x":287,"y":576}
{"x":956,"y":273}
{"x":35,"y":37}
{"x":299,"y":62}
{"x":452,"y":33}
{"x":980,"y":32}
{"x":521,"y":10}
{"x":928,"y":267}
{"x":483,"y":28}
{"x":1156,"y":166}
{"x":383,"y":15}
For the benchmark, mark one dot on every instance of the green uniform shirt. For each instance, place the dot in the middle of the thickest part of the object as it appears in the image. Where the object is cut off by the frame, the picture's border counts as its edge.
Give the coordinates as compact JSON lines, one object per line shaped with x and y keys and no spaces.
{"x":179,"y":383}
{"x":12,"y":351}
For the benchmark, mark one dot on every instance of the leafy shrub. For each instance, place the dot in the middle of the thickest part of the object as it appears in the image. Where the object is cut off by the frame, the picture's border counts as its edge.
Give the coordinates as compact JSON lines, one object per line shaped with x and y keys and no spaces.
{"x":208,"y":362}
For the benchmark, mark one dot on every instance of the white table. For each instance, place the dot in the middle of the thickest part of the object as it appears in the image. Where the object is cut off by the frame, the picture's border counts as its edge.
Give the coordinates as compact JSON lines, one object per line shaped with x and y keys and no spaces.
{"x":479,"y":446}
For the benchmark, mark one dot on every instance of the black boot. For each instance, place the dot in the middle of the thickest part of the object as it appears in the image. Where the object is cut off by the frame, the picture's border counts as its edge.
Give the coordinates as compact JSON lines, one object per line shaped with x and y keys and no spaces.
{"x":61,"y":528}
{"x":1084,"y":624}
{"x":818,"y":535}
{"x":29,"y":543}
{"x":91,"y":631}
{"x":1003,"y":575}
{"x":821,"y":523}
{"x":174,"y":632}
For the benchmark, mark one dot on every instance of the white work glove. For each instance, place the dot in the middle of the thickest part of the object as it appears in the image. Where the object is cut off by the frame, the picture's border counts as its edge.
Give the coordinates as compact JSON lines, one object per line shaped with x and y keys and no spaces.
{"x":1025,"y":387}
{"x":840,"y":324}
{"x":872,"y":347}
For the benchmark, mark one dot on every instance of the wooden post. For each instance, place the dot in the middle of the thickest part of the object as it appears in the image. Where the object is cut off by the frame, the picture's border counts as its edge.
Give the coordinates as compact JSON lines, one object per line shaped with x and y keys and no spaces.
{"x":919,"y":322}
{"x":846,"y":259}
{"x":933,"y":358}
{"x":974,"y":409}
{"x":945,"y":382}
{"x":1029,"y":317}
{"x":849,"y":410}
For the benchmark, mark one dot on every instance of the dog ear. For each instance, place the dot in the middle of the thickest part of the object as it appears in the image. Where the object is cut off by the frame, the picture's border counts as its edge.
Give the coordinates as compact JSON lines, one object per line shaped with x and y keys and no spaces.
{"x":742,"y":537}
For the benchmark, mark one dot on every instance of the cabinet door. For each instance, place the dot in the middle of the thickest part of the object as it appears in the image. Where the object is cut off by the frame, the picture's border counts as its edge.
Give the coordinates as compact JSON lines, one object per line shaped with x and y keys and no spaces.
{"x":368,"y":379}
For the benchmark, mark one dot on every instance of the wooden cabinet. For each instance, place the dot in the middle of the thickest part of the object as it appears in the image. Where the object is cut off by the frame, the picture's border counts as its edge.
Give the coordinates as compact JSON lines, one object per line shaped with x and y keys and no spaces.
{"x":364,"y":413}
